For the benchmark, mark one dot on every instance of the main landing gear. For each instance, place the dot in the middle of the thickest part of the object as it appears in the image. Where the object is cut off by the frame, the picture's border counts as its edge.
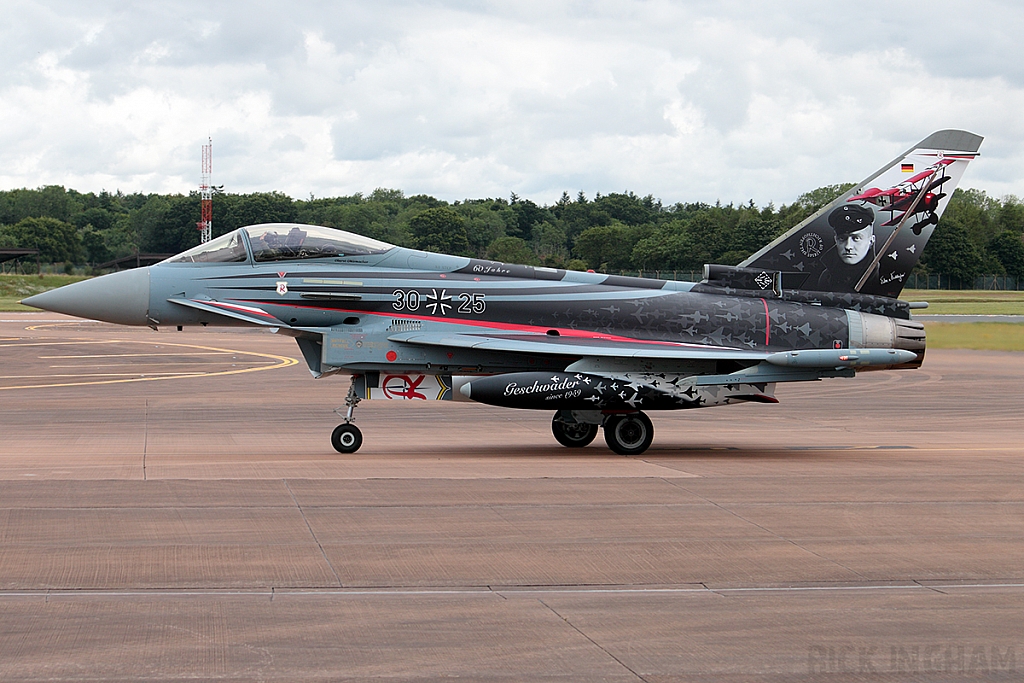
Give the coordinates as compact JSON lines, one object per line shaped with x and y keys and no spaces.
{"x":629,"y":434}
{"x":626,"y":434}
{"x":346,"y":437}
{"x":572,"y":434}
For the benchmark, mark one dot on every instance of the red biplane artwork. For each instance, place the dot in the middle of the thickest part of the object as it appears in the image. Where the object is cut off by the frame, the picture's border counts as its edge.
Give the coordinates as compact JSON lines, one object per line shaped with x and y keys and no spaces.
{"x":903,"y":197}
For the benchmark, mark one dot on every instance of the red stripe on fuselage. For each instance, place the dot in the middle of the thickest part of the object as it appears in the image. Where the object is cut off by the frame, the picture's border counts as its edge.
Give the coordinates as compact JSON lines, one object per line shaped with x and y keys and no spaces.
{"x":511,"y":327}
{"x":767,"y":324}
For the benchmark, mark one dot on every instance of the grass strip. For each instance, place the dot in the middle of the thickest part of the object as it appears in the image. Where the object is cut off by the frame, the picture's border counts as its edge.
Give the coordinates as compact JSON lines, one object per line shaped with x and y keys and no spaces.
{"x":967,"y":301}
{"x":978,"y":336}
{"x":13,"y":288}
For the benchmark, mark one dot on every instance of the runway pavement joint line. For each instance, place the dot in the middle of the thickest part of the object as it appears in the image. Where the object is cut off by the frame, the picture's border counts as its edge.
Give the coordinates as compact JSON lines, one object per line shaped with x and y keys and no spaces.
{"x":932,"y":588}
{"x":145,"y":441}
{"x":740,"y":517}
{"x":312,"y":533}
{"x":593,"y":642}
{"x":505,"y":592}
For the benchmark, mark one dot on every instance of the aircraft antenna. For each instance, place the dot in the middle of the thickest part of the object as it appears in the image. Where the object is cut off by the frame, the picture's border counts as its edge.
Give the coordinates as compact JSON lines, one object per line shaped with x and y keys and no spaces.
{"x":205,"y":224}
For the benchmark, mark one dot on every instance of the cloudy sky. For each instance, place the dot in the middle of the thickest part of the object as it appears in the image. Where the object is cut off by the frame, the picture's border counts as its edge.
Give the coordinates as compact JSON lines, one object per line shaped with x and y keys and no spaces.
{"x":687,"y":100}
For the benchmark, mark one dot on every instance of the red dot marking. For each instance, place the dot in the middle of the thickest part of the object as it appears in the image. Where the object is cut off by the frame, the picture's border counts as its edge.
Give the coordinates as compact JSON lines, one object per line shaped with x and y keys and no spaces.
{"x":391,"y":356}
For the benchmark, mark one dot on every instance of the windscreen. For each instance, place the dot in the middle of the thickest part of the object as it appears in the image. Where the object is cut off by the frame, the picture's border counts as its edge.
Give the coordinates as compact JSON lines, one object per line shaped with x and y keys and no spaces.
{"x":286,"y":242}
{"x":227,"y":248}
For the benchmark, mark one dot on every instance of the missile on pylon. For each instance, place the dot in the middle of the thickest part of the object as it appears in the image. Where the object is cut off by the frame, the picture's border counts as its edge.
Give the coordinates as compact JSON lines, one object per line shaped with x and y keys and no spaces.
{"x":841,"y":358}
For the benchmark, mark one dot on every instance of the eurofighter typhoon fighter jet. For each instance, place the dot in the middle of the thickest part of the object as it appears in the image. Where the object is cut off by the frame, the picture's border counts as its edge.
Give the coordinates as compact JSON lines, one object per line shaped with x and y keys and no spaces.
{"x":596,"y":350}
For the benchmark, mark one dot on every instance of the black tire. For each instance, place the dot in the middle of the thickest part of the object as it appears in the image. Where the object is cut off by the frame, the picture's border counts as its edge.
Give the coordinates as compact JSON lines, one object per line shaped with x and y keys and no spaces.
{"x":346,"y":438}
{"x":629,"y":434}
{"x":573,"y":434}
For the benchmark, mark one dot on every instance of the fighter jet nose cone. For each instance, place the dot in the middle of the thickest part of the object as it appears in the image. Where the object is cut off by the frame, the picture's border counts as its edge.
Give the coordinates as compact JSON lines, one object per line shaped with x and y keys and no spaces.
{"x":121,"y":298}
{"x":466,"y":390}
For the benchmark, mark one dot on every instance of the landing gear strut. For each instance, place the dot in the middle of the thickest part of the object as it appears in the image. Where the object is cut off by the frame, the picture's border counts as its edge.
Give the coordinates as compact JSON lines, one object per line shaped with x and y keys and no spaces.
{"x":572,"y":434}
{"x":628,"y":434}
{"x":346,"y":437}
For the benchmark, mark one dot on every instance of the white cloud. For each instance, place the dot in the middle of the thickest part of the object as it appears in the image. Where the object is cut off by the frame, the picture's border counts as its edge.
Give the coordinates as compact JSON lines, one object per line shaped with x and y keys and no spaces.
{"x":686,"y":100}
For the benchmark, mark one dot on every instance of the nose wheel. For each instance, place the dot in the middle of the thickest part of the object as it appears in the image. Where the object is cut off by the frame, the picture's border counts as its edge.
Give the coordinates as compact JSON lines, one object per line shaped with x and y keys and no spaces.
{"x":628,"y":434}
{"x":346,"y":437}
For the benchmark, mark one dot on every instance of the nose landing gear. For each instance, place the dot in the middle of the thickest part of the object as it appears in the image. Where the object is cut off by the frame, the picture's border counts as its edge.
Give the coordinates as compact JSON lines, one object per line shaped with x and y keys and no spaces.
{"x":346,"y":437}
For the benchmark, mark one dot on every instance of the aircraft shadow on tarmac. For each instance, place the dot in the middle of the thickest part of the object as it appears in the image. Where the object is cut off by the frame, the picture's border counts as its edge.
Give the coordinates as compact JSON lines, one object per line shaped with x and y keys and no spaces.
{"x":664,"y":451}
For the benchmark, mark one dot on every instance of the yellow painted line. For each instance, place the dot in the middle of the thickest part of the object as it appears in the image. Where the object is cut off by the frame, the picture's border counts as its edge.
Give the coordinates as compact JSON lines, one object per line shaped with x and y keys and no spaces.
{"x":280,"y":362}
{"x":139,"y":365}
{"x":70,"y":323}
{"x":101,"y":374}
{"x":73,"y":343}
{"x":141,"y":355}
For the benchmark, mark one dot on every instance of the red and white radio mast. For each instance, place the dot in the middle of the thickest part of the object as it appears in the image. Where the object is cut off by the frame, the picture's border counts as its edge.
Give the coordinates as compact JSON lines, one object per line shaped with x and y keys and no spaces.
{"x":205,"y":225}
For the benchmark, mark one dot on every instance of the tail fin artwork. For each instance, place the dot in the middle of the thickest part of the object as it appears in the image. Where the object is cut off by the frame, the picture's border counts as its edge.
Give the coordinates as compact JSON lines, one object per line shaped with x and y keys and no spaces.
{"x":868,"y":240}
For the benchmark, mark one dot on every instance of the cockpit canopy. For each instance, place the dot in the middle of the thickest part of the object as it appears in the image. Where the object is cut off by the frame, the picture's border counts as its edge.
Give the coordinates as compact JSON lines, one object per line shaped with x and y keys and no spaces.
{"x":288,"y":241}
{"x":227,"y":248}
{"x":281,"y":242}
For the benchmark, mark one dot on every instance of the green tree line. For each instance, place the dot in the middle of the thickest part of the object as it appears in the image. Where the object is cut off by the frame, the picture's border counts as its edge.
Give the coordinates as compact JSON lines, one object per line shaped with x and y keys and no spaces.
{"x":978,"y":234}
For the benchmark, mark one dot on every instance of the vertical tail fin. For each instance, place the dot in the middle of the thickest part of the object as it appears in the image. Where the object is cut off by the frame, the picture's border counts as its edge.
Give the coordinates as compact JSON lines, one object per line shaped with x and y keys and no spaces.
{"x":869,"y":239}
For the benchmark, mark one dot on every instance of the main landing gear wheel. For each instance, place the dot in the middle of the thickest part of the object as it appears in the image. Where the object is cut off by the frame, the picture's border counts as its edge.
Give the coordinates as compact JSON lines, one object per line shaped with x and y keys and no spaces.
{"x":628,"y":434}
{"x":346,"y":438}
{"x":573,"y":434}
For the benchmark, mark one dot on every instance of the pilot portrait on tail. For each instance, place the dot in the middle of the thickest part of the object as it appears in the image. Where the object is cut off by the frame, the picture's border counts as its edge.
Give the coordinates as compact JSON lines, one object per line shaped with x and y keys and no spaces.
{"x":854,"y":252}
